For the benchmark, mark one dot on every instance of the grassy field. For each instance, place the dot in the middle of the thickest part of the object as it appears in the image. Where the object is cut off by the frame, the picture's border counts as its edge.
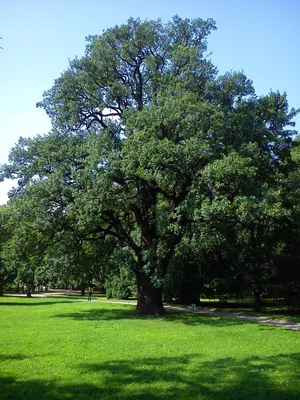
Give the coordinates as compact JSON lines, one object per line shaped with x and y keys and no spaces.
{"x":56,"y":348}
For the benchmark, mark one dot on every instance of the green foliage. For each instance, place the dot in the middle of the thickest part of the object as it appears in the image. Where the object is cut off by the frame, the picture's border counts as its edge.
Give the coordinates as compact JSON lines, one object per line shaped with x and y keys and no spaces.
{"x":7,"y":271}
{"x":120,"y":286}
{"x":120,"y":281}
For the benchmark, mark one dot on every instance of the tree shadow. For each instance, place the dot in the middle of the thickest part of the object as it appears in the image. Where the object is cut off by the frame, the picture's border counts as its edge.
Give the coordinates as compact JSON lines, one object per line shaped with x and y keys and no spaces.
{"x":34,"y":301}
{"x":13,"y":389}
{"x":225,"y":378}
{"x":172,"y":316}
{"x":289,"y":312}
{"x":167,"y":378}
{"x":194,"y":319}
{"x":102,"y":314}
{"x":8,"y":357}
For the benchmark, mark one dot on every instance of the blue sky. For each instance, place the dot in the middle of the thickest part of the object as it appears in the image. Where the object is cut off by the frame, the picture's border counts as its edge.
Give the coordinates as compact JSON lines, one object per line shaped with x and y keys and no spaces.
{"x":260,"y":37}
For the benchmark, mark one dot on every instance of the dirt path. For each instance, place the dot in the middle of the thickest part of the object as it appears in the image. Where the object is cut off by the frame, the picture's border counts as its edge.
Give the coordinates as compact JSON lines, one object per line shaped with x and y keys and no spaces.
{"x":260,"y":320}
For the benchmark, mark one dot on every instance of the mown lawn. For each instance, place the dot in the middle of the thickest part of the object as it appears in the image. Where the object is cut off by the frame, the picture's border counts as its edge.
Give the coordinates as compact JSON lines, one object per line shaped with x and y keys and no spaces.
{"x":57,"y":348}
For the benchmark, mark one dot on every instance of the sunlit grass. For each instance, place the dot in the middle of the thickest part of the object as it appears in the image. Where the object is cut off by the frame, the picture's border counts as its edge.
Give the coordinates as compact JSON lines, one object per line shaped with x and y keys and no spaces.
{"x":62,"y":348}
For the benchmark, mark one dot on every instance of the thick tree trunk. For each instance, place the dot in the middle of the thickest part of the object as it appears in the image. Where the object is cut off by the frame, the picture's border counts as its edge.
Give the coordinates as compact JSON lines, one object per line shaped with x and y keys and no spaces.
{"x":256,"y":234}
{"x":82,"y":288}
{"x":1,"y":290}
{"x":149,"y":297}
{"x":257,"y":307}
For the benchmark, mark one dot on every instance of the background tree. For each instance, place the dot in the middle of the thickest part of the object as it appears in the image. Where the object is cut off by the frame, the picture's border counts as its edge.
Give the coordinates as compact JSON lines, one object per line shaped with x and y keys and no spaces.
{"x":7,"y":272}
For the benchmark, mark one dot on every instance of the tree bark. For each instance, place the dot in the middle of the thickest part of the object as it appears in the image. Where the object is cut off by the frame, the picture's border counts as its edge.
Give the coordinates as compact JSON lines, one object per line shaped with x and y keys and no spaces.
{"x":257,"y":295}
{"x":256,"y":245}
{"x":149,"y":297}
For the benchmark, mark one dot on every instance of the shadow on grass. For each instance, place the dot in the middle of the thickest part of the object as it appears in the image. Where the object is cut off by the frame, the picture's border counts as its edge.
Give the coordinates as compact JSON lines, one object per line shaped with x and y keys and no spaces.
{"x":289,"y":312}
{"x":8,"y":357}
{"x":220,"y":305}
{"x":189,"y":377}
{"x":13,"y":389}
{"x":33,"y":301}
{"x":128,"y":312}
{"x":168,"y":378}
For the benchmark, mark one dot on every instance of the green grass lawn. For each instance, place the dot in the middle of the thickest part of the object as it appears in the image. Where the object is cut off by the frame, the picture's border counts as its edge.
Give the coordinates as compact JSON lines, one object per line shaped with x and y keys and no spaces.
{"x":56,"y":348}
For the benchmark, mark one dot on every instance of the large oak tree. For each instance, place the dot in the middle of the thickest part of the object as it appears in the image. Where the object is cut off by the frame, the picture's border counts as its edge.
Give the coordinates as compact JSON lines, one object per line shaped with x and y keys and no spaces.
{"x":140,"y":124}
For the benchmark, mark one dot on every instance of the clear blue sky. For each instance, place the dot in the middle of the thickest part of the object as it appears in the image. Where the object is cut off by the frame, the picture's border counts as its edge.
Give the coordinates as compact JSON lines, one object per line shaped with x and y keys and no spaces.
{"x":261,"y":37}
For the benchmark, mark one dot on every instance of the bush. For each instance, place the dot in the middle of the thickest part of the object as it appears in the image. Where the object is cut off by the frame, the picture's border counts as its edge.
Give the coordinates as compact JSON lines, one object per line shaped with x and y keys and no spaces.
{"x":120,"y":286}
